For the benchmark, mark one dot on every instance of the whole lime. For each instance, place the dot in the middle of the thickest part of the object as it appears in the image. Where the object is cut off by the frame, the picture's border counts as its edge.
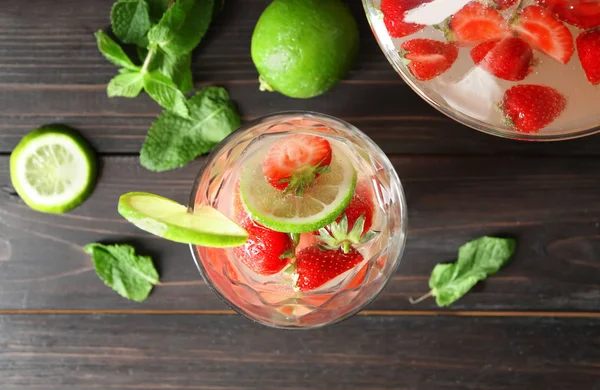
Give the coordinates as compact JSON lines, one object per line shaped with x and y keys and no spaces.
{"x":302,"y":48}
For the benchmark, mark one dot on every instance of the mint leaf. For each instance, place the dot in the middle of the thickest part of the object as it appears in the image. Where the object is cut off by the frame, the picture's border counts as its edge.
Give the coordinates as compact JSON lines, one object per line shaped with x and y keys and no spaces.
{"x":157,"y":9}
{"x":128,"y":84}
{"x":130,"y":20}
{"x":122,"y":270}
{"x":113,"y":52}
{"x":177,"y":69}
{"x":477,"y":260}
{"x":182,"y":26}
{"x":164,"y":91}
{"x":173,"y":141}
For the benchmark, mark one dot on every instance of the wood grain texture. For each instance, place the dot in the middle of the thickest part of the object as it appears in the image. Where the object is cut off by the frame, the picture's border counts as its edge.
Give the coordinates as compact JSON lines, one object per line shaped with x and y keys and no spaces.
{"x":549,"y":204}
{"x":368,"y":353}
{"x":51,"y":71}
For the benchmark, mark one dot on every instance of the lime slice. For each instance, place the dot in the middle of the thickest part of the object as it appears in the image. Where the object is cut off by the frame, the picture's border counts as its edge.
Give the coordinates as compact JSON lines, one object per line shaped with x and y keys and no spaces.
{"x":320,"y":205}
{"x":53,"y":169}
{"x":168,"y":219}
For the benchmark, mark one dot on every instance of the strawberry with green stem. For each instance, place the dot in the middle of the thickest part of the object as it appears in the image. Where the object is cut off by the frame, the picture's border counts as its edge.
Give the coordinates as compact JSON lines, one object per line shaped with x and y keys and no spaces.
{"x":294,"y":162}
{"x":529,"y":108}
{"x":473,"y":24}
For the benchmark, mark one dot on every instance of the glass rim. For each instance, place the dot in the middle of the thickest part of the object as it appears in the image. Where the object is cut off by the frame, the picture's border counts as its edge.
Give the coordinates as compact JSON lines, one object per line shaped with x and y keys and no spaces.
{"x":394,"y":179}
{"x":458,"y":116}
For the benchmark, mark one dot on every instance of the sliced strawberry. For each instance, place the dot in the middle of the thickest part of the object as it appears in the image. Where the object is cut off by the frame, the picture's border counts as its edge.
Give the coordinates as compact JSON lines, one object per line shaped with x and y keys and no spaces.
{"x":475,"y":23}
{"x":530,"y":108}
{"x":393,"y":16}
{"x":588,"y":49}
{"x":293,"y":163}
{"x":509,"y":58}
{"x":504,"y":4}
{"x":315,"y":267}
{"x":427,"y":58}
{"x":544,"y":32}
{"x":265,"y":251}
{"x":581,"y":13}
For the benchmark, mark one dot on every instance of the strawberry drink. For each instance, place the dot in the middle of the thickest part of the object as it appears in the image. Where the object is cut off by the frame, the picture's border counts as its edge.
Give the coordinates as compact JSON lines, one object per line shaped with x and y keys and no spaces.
{"x":325,"y":217}
{"x":525,"y":69}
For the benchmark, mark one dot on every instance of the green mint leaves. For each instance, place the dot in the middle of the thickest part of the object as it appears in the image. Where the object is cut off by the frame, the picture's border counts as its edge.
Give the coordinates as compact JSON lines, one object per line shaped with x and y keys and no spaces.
{"x":477,"y":260}
{"x":173,"y":141}
{"x":182,"y":26}
{"x":130,"y":20}
{"x":118,"y":266}
{"x":164,"y":33}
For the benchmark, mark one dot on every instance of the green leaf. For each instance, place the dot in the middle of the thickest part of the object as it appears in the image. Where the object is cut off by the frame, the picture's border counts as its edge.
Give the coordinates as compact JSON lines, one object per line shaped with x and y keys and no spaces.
{"x":164,"y":91}
{"x":157,"y":9}
{"x":122,"y":270}
{"x":173,"y":141}
{"x":126,"y":84}
{"x":113,"y":52}
{"x":177,"y":69}
{"x":477,"y":260}
{"x":182,"y":26}
{"x":130,"y":20}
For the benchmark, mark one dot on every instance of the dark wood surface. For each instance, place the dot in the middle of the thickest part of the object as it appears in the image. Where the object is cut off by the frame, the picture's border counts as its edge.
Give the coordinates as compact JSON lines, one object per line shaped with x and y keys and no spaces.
{"x":536,"y":325}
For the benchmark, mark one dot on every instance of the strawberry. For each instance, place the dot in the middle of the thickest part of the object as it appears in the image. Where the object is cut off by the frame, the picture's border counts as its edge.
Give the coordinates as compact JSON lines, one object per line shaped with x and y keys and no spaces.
{"x":393,"y":16}
{"x":529,"y":108}
{"x":475,"y":23}
{"x":427,"y":59}
{"x":293,"y":163}
{"x":359,"y":207}
{"x":588,"y":49}
{"x":266,"y":251}
{"x":544,"y":32}
{"x":315,"y":266}
{"x":581,"y":13}
{"x":509,"y":58}
{"x":503,"y":4}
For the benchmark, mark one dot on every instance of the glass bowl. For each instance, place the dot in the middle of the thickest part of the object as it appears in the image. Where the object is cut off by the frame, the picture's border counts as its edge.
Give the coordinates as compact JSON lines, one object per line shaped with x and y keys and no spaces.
{"x":469,"y":95}
{"x":272,"y":300}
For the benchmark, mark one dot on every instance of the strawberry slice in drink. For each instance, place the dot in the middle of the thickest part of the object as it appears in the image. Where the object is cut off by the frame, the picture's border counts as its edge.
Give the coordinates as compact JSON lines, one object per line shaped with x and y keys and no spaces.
{"x":509,"y":58}
{"x":475,"y":23}
{"x":503,"y":4}
{"x":588,"y":49}
{"x":294,"y":162}
{"x":544,"y":32}
{"x":315,"y":266}
{"x":393,"y":16}
{"x":427,"y":59}
{"x":529,"y":108}
{"x":581,"y":13}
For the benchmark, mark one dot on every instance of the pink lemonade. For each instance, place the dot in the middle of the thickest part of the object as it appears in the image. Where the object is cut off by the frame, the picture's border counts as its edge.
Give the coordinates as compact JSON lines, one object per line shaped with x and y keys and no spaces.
{"x":475,"y":93}
{"x":283,"y":291}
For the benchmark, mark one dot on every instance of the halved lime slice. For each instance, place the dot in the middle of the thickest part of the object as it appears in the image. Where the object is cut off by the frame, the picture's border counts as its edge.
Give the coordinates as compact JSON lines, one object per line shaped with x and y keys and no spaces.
{"x":320,"y":205}
{"x":53,"y":169}
{"x":168,"y":219}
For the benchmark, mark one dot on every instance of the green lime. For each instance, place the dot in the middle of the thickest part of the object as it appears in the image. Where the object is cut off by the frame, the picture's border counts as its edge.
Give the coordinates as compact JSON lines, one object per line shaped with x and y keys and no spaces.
{"x":53,"y":169}
{"x":302,"y":48}
{"x":320,"y":204}
{"x":168,"y":219}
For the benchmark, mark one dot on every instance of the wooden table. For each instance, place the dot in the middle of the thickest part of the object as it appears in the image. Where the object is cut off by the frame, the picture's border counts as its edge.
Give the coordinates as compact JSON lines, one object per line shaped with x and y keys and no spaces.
{"x":536,"y":325}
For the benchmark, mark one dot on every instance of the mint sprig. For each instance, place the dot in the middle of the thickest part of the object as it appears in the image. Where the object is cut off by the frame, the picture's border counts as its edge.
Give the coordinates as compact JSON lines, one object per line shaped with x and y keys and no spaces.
{"x":477,"y":260}
{"x":165,"y":32}
{"x":130,"y":275}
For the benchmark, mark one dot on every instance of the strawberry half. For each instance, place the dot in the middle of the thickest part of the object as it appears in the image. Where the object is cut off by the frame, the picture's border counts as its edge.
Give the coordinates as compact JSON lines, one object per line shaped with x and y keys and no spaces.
{"x":266,"y":251}
{"x":393,"y":16}
{"x":315,"y":266}
{"x":588,"y":49}
{"x":581,"y":13}
{"x":509,"y":58}
{"x":293,"y":163}
{"x":427,"y":59}
{"x":503,"y":4}
{"x":475,"y":23}
{"x":529,"y":108}
{"x":544,"y":32}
